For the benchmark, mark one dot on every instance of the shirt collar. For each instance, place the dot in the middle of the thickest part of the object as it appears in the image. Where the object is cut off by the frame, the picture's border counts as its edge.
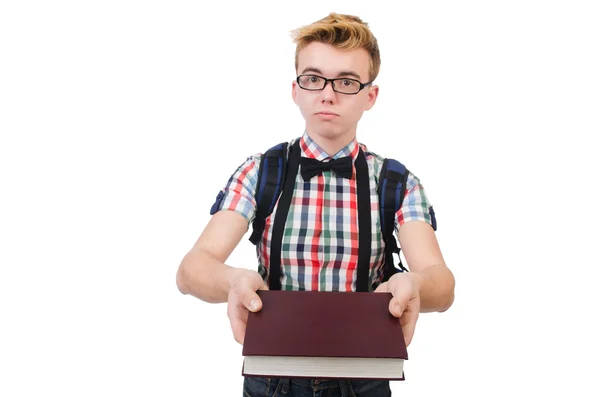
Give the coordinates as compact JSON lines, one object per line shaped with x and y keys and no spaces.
{"x":310,"y":149}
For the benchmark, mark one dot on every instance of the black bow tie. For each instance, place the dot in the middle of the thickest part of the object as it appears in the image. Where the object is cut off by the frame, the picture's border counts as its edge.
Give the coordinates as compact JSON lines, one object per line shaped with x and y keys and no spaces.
{"x":312,"y":167}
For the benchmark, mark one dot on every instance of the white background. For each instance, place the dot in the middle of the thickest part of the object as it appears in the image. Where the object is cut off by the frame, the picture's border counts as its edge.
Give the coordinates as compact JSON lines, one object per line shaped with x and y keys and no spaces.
{"x":121,"y":120}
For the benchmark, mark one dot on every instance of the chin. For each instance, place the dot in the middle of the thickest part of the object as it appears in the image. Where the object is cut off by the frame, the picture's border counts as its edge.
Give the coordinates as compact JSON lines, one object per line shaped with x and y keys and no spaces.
{"x":329,"y":131}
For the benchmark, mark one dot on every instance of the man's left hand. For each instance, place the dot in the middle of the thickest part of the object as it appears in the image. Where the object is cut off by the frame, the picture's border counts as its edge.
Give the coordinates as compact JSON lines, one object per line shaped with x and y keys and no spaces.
{"x":405,"y":303}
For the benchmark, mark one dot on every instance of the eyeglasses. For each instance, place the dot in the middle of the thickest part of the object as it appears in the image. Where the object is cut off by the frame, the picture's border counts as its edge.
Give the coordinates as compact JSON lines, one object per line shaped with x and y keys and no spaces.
{"x":347,"y":86}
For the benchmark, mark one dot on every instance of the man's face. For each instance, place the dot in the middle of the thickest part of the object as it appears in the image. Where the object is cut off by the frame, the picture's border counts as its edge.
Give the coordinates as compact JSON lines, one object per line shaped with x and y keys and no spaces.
{"x":344,"y":110}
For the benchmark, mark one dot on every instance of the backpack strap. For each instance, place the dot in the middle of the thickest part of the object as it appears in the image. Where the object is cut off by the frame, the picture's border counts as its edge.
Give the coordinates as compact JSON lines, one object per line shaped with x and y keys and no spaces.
{"x":270,"y":180}
{"x":391,"y":189}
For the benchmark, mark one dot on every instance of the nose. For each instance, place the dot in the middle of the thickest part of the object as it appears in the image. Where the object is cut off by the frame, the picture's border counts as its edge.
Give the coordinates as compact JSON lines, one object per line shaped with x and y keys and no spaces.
{"x":328,"y":94}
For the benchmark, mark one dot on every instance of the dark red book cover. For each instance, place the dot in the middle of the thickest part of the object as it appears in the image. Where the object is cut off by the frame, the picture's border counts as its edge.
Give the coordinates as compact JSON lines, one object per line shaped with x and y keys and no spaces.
{"x":324,"y":324}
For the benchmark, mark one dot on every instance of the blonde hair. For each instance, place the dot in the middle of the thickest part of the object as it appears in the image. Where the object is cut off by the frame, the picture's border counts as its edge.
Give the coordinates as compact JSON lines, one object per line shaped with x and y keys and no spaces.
{"x":347,"y":32}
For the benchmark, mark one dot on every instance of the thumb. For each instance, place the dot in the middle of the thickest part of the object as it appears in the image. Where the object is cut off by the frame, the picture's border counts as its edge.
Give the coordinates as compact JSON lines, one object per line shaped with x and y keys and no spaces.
{"x":383,"y":287}
{"x":251,"y":301}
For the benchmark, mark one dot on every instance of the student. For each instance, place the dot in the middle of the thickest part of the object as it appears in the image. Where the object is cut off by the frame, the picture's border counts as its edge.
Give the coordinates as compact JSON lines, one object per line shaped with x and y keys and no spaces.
{"x":337,"y":60}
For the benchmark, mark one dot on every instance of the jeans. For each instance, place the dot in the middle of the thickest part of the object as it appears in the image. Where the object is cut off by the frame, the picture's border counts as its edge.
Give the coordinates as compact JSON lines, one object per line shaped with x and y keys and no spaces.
{"x":284,"y":387}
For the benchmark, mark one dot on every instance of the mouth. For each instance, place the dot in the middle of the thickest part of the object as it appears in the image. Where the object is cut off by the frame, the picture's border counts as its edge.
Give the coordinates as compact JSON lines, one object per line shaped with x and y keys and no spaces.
{"x":326,"y":115}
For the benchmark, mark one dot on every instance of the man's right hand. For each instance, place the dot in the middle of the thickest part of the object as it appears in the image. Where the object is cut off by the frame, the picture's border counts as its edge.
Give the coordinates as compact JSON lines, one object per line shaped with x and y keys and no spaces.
{"x":243,"y":298}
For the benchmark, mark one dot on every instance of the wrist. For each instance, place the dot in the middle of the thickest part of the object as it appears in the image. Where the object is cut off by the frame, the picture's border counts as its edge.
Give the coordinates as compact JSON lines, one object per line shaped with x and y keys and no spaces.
{"x":229,"y":276}
{"x":417,"y":280}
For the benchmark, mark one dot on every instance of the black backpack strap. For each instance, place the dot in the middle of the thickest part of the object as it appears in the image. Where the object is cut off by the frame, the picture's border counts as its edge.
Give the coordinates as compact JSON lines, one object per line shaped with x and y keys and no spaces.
{"x":270,"y":180}
{"x":281,"y":217}
{"x":391,"y":189}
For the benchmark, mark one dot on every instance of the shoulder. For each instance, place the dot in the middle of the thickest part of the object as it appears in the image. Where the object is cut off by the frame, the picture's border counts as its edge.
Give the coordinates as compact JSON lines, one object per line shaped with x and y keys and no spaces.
{"x":251,"y":166}
{"x":413,"y":182}
{"x":276,"y":147}
{"x":376,"y":160}
{"x":371,"y":155}
{"x":248,"y":168}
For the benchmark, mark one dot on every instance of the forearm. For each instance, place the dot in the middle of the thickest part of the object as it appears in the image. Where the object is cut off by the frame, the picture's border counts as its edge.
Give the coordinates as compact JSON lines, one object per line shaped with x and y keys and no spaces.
{"x":205,"y":277}
{"x":436,"y":288}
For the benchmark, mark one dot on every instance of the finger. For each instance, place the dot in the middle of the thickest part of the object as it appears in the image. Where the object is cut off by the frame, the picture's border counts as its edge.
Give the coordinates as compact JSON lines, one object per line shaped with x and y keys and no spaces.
{"x":238,"y":322}
{"x":409,"y":323}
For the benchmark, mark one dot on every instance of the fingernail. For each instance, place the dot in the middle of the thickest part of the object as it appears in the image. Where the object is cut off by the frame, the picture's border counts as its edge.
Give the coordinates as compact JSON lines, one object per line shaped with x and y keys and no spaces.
{"x":253,"y":304}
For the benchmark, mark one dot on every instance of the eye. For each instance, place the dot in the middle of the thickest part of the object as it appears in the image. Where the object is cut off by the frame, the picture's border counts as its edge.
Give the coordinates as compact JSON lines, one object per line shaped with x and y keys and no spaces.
{"x":348,"y":82}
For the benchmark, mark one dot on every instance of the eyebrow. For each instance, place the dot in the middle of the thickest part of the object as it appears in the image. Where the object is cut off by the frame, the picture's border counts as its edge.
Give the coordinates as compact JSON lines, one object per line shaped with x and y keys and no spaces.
{"x":340,"y":74}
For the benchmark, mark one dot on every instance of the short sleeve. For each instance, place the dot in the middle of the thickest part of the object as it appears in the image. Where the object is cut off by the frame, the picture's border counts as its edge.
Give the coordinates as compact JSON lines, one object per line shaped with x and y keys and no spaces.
{"x":416,"y":205}
{"x":238,"y":193}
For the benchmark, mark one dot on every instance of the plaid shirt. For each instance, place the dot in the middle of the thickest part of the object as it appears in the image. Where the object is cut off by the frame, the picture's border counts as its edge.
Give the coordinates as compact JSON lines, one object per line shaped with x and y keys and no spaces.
{"x":320,"y":242}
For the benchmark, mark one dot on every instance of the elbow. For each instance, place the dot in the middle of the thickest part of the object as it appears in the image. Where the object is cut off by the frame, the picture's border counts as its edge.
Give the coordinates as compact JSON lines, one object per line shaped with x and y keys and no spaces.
{"x":448,"y":303}
{"x":180,"y":278}
{"x":448,"y":293}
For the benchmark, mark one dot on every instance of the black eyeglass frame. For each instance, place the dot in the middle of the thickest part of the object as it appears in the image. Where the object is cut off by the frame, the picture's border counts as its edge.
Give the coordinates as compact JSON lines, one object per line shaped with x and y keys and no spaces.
{"x":361,"y":85}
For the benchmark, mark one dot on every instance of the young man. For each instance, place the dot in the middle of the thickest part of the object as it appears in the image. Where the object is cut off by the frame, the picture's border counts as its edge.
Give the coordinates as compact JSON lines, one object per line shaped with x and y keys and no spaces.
{"x":337,"y":60}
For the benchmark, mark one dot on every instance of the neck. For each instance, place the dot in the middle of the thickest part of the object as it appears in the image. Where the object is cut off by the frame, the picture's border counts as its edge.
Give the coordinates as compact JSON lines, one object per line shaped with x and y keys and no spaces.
{"x":334,"y":144}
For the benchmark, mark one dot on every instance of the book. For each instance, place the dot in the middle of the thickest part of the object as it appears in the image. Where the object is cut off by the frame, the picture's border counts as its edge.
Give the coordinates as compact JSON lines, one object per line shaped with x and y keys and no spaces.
{"x":324,"y":335}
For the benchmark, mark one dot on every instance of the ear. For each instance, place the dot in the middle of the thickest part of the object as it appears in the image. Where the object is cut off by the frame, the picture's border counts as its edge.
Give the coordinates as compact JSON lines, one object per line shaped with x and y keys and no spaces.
{"x":294,"y":91}
{"x":372,"y":97}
